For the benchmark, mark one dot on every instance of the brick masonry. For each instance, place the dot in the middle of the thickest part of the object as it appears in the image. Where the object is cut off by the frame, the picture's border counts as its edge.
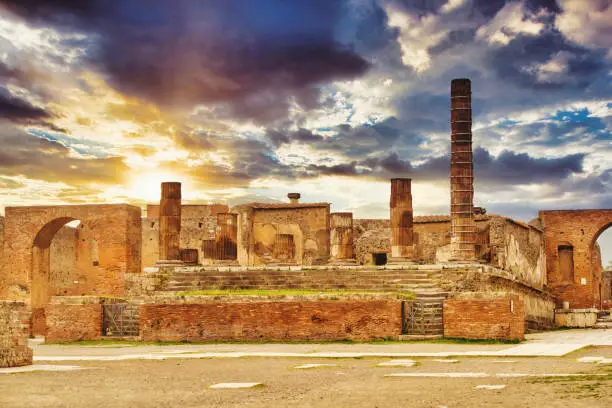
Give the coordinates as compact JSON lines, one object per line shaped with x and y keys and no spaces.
{"x":14,"y":329}
{"x":580,"y":230}
{"x":276,"y":321}
{"x":66,"y":322}
{"x":501,"y":318}
{"x":109,"y":246}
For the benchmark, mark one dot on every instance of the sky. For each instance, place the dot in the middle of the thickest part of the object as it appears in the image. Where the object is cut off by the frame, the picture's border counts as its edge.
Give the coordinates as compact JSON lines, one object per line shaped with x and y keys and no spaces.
{"x":248,"y":100}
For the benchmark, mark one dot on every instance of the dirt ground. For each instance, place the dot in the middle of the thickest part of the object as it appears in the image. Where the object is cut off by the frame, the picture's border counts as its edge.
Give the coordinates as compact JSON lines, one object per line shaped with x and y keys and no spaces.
{"x":352,"y":383}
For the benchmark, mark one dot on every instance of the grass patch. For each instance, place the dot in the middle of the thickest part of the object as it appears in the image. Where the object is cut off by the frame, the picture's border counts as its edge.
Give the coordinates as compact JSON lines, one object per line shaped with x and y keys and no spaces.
{"x":287,"y":292}
{"x":588,"y":386}
{"x":387,"y":340}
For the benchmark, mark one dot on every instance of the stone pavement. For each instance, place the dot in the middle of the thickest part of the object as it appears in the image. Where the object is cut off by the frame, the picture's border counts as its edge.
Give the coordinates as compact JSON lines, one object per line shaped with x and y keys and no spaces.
{"x":547,"y":344}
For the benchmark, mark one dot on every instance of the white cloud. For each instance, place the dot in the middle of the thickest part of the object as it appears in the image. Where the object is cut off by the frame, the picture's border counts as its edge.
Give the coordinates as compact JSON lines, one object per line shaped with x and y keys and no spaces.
{"x":417,"y":34}
{"x":587,"y":22}
{"x":509,"y":22}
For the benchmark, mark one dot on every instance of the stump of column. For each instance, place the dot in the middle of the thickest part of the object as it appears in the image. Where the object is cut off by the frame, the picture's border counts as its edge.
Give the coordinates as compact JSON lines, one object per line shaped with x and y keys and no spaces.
{"x":463,"y":230}
{"x":402,"y":236}
{"x":341,"y":237}
{"x":170,"y":224}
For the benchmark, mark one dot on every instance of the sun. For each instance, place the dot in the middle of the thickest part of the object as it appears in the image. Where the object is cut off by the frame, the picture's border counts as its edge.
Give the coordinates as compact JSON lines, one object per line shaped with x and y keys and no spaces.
{"x":147,"y":185}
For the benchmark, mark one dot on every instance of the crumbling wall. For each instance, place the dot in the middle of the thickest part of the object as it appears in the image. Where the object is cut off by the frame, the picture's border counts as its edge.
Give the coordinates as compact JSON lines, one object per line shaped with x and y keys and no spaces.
{"x":539,"y":305}
{"x":431,"y":232}
{"x":198,"y":223}
{"x":606,"y":290}
{"x":479,"y":317}
{"x":73,"y":319}
{"x":578,"y":230}
{"x":314,"y":320}
{"x":519,"y":249}
{"x":370,"y":242}
{"x":264,"y":229}
{"x":63,"y":261}
{"x":14,"y":331}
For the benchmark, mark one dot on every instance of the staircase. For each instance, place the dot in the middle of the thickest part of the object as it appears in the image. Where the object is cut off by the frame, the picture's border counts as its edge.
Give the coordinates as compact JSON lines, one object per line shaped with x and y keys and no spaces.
{"x":425,"y":317}
{"x":604,"y":321}
{"x":427,"y":314}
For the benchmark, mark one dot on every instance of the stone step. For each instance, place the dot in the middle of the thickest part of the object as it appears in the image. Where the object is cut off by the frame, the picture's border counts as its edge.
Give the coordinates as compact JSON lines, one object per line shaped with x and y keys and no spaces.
{"x":603,"y":325}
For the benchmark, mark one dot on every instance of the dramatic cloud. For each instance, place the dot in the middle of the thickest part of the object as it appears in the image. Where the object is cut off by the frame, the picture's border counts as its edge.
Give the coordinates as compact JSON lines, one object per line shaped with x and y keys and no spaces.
{"x":252,"y":55}
{"x":17,"y":109}
{"x":38,"y":158}
{"x":100,"y":100}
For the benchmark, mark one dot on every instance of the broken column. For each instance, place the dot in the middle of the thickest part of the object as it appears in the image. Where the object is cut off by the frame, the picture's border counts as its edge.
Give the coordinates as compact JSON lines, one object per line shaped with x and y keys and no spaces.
{"x":402,"y":247}
{"x":341,"y":235}
{"x":294,"y":198}
{"x":170,"y":223}
{"x":463,"y":231}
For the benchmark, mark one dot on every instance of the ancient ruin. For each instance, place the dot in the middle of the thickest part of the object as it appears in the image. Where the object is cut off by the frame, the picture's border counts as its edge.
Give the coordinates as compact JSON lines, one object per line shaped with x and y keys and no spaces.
{"x":411,"y":275}
{"x":402,"y":245}
{"x":463,"y":234}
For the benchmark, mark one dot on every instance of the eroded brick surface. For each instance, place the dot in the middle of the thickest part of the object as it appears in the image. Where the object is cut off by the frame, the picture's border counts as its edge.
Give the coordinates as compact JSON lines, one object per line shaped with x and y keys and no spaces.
{"x":73,"y":322}
{"x":14,"y":330}
{"x":279,"y":321}
{"x":578,"y":229}
{"x":502,"y":318}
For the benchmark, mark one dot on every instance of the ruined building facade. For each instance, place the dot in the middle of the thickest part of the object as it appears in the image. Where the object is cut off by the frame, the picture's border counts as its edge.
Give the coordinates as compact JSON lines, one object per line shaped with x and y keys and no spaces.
{"x":551,"y":261}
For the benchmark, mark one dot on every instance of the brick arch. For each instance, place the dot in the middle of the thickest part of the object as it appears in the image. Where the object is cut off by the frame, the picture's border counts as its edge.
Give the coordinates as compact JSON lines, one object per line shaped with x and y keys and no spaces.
{"x":580,"y":228}
{"x":28,"y":232}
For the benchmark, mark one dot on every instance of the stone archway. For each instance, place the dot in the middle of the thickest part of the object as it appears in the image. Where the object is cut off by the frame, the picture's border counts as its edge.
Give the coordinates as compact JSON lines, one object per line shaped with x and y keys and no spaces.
{"x":109,"y":245}
{"x":40,"y":290}
{"x":578,"y":229}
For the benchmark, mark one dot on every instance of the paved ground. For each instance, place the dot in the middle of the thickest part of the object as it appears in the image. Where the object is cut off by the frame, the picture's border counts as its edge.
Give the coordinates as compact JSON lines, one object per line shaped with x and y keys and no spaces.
{"x":355,"y":382}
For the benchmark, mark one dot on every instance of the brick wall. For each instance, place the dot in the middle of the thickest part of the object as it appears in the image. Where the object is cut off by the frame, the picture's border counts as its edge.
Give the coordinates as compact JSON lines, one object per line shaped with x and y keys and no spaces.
{"x":501,"y":318}
{"x":71,"y":322}
{"x":578,"y":229}
{"x":14,"y":330}
{"x":279,"y":321}
{"x":198,"y":223}
{"x":430,"y":233}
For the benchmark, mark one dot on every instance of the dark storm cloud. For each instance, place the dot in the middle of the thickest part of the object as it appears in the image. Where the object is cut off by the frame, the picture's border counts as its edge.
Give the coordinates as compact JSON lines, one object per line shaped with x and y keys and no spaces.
{"x":512,"y":62}
{"x":520,"y":168}
{"x":184,"y":52}
{"x":505,"y":169}
{"x":17,"y":109}
{"x":23,"y":154}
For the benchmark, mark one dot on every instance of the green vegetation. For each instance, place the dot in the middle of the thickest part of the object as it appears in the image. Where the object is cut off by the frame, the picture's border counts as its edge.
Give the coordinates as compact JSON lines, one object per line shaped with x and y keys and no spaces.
{"x":587,"y":386}
{"x":388,"y":340}
{"x":287,"y":292}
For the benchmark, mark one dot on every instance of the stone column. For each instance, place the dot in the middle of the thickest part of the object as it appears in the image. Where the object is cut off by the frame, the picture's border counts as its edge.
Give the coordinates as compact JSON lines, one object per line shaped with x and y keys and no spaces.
{"x":294,"y":198}
{"x":402,"y":245}
{"x":463,"y":230}
{"x":341,"y":224}
{"x":170,"y":222}
{"x":227,"y":225}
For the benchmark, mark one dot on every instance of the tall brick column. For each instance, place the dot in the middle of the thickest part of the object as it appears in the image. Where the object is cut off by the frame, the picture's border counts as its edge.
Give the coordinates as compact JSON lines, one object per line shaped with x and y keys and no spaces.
{"x":341,"y":224}
{"x":463,"y":230}
{"x":170,"y":222}
{"x":402,"y":245}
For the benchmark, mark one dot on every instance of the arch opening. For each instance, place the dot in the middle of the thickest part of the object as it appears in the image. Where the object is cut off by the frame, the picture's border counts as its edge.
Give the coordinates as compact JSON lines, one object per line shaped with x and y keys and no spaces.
{"x":54,"y":266}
